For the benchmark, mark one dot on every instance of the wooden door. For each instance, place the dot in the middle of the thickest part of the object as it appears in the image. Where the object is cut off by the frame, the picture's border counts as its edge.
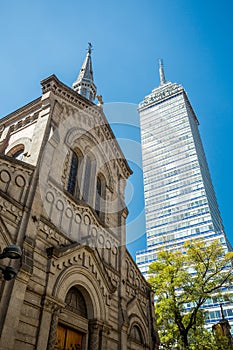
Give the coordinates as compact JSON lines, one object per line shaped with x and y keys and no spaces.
{"x":68,"y":339}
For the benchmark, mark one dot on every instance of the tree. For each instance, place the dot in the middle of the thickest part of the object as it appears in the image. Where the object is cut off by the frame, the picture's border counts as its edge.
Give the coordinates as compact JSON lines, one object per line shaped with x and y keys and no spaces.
{"x":188,"y":278}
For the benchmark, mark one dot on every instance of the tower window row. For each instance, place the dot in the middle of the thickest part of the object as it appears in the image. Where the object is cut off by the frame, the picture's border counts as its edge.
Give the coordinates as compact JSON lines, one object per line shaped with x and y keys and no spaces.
{"x":85,"y":184}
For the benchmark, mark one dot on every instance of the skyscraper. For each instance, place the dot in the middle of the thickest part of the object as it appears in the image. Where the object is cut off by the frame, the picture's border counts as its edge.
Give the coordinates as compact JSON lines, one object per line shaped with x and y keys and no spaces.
{"x":180,"y":201}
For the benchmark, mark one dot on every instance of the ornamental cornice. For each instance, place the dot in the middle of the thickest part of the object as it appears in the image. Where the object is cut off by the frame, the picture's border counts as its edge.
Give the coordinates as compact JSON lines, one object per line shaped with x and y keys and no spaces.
{"x":27,"y":110}
{"x":16,"y":165}
{"x":53,"y":84}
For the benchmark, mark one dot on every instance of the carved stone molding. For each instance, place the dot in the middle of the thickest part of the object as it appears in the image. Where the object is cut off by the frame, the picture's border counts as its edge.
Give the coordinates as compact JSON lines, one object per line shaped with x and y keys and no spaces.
{"x":52,"y":235}
{"x":14,"y":179}
{"x":87,"y":258}
{"x":10,"y":211}
{"x":135,"y":280}
{"x":83,"y":226}
{"x":52,"y":306}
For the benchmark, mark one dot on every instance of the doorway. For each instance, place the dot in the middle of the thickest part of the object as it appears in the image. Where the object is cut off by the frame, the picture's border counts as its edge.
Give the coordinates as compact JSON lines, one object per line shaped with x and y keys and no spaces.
{"x":68,"y":339}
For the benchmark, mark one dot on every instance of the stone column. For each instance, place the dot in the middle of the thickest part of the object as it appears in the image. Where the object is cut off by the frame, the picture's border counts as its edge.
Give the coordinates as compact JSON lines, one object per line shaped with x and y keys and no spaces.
{"x":56,"y":309}
{"x":105,"y":337}
{"x":95,"y":330}
{"x":50,"y":310}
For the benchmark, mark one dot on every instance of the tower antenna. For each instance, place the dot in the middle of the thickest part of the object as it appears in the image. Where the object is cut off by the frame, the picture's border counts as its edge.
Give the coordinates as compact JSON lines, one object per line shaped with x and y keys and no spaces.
{"x":161,"y":72}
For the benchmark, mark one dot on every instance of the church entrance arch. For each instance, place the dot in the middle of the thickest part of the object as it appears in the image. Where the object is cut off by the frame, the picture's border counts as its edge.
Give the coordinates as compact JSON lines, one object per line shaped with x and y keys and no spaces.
{"x":83,"y":311}
{"x":72,"y":328}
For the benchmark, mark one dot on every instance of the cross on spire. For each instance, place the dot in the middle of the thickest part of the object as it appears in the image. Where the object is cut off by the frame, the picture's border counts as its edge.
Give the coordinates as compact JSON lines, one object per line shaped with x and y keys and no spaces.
{"x":90,"y":48}
{"x":84,"y":84}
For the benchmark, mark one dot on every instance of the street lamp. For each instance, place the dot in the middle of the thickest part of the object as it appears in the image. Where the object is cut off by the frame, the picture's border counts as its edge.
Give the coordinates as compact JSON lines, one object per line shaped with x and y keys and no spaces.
{"x":11,"y":252}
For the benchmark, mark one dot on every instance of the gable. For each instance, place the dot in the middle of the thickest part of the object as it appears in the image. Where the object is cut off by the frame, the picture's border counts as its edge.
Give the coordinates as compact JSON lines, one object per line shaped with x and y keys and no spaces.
{"x":74,"y":109}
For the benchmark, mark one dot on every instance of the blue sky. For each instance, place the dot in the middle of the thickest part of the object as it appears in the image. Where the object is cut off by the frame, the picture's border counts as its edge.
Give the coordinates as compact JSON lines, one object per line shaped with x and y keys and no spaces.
{"x":194,"y":38}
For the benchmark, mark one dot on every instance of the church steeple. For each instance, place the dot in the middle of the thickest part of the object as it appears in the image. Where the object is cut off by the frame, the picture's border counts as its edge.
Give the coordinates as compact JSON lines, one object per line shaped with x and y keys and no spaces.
{"x":161,"y":72}
{"x":84,"y":84}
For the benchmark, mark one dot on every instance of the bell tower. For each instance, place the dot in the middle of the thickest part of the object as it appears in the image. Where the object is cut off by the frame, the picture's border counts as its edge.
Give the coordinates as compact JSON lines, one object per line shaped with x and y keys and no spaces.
{"x":84,"y":84}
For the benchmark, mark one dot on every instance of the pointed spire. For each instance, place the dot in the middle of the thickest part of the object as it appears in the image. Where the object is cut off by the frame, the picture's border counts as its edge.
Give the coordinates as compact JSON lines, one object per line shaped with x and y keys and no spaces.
{"x":161,"y":72}
{"x":84,"y":84}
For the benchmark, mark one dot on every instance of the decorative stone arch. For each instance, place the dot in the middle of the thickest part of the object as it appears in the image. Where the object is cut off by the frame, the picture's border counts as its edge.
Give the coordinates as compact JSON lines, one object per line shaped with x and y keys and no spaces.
{"x":16,"y":152}
{"x":78,"y":276}
{"x":89,"y":328}
{"x":103,"y":166}
{"x":80,"y":139}
{"x":22,"y":143}
{"x":76,"y":136}
{"x":139,"y":324}
{"x":72,"y":329}
{"x":77,"y":151}
{"x":135,"y":333}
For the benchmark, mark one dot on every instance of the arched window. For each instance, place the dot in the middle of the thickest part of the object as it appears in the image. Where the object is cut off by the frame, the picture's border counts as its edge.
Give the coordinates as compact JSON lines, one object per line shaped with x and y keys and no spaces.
{"x":100,"y":195}
{"x":136,"y":335}
{"x":17,"y":152}
{"x":73,"y":174}
{"x":75,"y":302}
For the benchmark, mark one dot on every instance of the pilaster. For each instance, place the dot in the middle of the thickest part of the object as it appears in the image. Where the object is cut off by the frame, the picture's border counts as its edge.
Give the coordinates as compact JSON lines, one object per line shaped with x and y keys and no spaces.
{"x":13,"y":304}
{"x":54,"y":311}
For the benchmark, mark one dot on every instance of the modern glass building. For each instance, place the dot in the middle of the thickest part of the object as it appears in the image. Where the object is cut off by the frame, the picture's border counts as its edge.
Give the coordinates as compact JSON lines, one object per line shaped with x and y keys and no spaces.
{"x":180,"y":201}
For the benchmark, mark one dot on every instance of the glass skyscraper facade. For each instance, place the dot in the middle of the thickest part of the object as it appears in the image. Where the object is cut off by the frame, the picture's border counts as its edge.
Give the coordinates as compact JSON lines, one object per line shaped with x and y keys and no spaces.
{"x":180,"y":202}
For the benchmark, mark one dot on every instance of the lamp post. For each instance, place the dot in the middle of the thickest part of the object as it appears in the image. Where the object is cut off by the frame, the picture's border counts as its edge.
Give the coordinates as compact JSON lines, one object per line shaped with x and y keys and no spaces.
{"x":10,"y":252}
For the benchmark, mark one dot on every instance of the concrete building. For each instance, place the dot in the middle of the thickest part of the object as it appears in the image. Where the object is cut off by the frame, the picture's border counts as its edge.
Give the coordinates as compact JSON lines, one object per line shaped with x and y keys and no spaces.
{"x":180,"y":201}
{"x":62,"y":182}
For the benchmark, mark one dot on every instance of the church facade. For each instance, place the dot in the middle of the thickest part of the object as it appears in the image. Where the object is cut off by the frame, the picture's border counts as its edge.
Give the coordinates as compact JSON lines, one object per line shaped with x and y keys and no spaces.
{"x":62,"y":182}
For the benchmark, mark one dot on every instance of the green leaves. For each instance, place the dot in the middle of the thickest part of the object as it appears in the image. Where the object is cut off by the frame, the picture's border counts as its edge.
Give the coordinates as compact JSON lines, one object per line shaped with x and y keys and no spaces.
{"x":182,"y":282}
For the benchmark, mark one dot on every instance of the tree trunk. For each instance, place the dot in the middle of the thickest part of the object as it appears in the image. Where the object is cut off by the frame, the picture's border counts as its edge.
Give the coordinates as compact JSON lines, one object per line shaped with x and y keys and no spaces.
{"x":184,"y":340}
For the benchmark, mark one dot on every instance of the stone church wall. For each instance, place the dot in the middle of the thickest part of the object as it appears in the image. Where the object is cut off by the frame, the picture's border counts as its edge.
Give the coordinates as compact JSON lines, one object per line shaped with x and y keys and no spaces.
{"x":76,"y":283}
